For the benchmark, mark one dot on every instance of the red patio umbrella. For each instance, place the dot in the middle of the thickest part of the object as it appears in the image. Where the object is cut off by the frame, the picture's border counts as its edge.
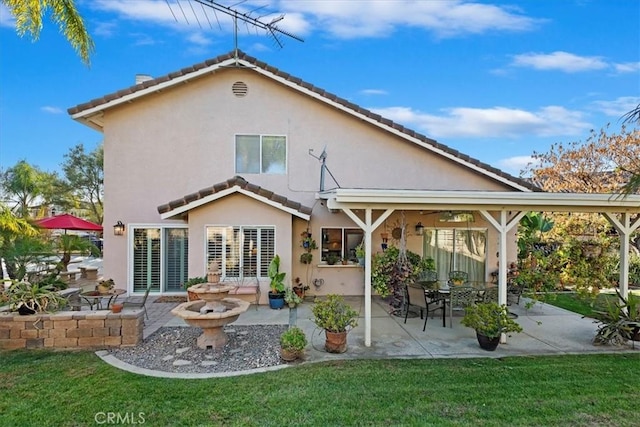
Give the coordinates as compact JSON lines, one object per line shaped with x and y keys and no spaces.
{"x":67,"y":222}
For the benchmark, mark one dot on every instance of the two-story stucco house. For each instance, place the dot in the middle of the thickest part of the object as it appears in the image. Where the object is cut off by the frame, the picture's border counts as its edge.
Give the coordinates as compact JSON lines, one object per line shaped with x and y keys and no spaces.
{"x":223,"y":161}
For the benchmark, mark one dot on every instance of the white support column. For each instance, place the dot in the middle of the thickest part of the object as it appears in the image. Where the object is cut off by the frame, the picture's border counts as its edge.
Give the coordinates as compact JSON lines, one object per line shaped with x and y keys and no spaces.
{"x":624,"y":228}
{"x":503,"y":226}
{"x":368,"y":227}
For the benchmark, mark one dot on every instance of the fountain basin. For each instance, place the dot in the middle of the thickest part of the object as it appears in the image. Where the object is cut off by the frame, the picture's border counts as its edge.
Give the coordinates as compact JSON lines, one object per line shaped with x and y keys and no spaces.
{"x":211,"y":322}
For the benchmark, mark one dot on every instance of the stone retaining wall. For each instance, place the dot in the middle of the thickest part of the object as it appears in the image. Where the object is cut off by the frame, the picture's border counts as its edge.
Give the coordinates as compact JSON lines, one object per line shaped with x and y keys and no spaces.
{"x":72,"y":330}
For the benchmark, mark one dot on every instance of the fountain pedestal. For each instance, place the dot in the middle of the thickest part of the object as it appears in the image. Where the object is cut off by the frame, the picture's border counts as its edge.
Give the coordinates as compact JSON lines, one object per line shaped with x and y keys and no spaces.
{"x":211,"y":313}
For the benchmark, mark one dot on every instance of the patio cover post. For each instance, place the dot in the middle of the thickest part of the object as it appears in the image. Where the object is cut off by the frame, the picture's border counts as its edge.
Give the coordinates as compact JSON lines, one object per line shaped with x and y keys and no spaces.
{"x":368,"y":228}
{"x":503,"y":228}
{"x":624,"y":228}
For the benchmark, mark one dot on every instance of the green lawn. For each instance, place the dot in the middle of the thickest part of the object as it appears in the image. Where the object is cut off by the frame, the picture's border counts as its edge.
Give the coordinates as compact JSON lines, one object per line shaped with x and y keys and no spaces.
{"x":582,"y":305}
{"x":42,"y":388}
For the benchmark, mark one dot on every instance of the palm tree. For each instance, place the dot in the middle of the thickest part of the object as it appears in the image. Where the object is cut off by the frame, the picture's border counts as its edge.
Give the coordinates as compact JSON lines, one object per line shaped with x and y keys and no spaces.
{"x":29,"y":14}
{"x":633,"y":186}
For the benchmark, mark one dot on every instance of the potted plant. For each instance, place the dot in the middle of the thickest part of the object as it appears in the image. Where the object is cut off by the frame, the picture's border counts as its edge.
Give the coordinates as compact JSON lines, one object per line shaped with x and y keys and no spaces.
{"x":299,"y":288}
{"x":619,"y":322}
{"x":276,"y":285}
{"x":309,"y":244}
{"x":30,"y":298}
{"x":336,"y":317}
{"x":292,"y":344}
{"x":192,"y":296}
{"x":490,"y":321}
{"x":360,"y":254}
{"x":458,"y":277}
{"x":332,"y":258}
{"x":291,"y":298}
{"x":105,"y":286}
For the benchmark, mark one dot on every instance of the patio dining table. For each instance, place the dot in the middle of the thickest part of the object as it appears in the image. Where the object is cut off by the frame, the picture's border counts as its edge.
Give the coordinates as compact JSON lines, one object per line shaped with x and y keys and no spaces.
{"x":95,"y":298}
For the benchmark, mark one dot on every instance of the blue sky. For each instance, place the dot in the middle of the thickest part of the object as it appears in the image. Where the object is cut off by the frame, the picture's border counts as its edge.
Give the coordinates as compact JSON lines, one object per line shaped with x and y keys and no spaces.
{"x":496,"y":80}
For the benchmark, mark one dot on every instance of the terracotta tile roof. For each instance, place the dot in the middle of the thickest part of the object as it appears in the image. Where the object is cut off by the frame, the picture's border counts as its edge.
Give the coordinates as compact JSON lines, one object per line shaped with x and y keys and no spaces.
{"x":241,"y":183}
{"x":184,"y":73}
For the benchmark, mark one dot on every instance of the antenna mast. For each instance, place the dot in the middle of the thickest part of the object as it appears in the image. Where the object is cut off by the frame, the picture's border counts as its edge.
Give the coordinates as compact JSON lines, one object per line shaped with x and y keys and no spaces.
{"x":270,"y":27}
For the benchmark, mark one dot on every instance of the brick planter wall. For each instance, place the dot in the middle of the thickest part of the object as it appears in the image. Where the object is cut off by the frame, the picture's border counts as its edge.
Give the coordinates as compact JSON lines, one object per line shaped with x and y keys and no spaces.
{"x":71,"y":330}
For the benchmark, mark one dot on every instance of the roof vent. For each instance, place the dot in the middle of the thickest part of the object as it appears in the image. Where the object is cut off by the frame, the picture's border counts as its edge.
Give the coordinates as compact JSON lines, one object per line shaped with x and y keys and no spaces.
{"x":239,"y":89}
{"x":141,"y":78}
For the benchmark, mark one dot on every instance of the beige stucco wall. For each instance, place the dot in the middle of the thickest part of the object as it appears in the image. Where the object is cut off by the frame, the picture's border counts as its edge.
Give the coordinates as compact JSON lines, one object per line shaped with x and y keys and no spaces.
{"x":239,"y":209}
{"x":180,"y":140}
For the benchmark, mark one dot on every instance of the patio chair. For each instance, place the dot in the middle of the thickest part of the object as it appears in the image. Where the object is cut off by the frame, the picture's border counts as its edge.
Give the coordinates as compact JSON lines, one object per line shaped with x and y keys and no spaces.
{"x":418,"y":296}
{"x":490,"y":294}
{"x":461,"y":297}
{"x":142,"y":303}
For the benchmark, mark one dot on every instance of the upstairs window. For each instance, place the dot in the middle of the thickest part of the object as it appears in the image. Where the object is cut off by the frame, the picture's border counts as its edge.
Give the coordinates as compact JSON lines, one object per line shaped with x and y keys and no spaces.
{"x":261,"y":154}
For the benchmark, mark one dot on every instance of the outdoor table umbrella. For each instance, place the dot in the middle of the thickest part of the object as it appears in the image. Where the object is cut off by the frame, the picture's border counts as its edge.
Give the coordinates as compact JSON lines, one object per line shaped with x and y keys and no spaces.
{"x":67,"y":222}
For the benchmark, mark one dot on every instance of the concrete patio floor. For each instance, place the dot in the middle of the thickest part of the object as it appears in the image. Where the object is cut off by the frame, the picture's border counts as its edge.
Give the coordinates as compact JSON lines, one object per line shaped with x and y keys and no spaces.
{"x":548,"y":330}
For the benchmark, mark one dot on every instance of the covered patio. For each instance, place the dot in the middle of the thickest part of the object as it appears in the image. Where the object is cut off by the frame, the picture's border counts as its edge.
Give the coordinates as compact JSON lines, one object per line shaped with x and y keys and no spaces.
{"x":369,"y":208}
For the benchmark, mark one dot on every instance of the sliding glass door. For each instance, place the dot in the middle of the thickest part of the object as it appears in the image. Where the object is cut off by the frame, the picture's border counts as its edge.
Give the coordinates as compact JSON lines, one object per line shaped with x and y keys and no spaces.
{"x":160,"y":258}
{"x":457,"y":249}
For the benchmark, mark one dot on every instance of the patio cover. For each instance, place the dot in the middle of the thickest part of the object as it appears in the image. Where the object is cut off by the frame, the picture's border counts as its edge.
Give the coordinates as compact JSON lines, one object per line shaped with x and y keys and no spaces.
{"x":503,"y":210}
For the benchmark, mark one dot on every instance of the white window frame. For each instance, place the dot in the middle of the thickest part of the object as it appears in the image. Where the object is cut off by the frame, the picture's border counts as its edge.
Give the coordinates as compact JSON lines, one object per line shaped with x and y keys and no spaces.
{"x":262,"y":266}
{"x":261,"y":137}
{"x":343,"y":231}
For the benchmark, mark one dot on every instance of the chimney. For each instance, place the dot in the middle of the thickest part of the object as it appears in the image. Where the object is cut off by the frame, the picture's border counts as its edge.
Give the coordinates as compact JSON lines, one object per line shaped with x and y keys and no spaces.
{"x":141,"y":78}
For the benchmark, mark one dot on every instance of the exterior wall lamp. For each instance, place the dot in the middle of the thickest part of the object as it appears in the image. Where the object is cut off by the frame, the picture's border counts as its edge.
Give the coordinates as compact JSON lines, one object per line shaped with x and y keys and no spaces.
{"x":419,"y":229}
{"x":118,"y":229}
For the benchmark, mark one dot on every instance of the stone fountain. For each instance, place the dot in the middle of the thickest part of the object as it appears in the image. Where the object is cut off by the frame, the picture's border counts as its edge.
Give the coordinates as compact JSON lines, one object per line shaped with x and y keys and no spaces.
{"x":212,"y":311}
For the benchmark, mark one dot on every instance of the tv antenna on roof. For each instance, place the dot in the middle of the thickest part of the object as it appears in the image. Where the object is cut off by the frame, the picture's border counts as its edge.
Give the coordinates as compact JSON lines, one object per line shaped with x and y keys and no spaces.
{"x":270,"y":27}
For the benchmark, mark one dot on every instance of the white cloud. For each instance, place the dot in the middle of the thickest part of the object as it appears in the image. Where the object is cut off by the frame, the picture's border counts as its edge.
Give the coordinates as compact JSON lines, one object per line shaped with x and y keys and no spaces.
{"x":353,"y":19}
{"x":199,"y":39}
{"x":373,"y":92}
{"x":618,"y":107}
{"x":627,"y":67}
{"x":562,"y":61}
{"x":104,"y":29}
{"x":51,"y":110}
{"x":495,"y":122}
{"x":6,"y":18}
{"x":338,"y":18}
{"x":515,"y":164}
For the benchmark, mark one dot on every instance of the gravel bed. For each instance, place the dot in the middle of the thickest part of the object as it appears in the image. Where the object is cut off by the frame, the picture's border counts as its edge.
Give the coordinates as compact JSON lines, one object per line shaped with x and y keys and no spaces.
{"x":174,"y":349}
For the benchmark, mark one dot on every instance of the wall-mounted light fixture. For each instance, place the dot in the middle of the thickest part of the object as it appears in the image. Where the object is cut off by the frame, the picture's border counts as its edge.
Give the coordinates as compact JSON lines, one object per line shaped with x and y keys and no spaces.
{"x":419,"y":229}
{"x":118,"y":229}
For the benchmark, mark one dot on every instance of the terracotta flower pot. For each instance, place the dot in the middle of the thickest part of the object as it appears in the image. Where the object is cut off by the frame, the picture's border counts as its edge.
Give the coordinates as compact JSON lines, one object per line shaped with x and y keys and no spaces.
{"x":336,"y":342}
{"x":116,"y":308}
{"x":289,"y":355}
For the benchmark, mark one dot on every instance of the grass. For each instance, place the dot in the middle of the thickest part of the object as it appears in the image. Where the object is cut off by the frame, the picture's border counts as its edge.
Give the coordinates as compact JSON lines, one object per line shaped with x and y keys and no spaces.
{"x":49,"y":388}
{"x":582,"y":305}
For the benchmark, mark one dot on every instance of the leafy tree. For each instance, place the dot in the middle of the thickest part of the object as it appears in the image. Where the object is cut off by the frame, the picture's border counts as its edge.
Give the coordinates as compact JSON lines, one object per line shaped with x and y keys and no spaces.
{"x":85,"y":179}
{"x":69,"y":243}
{"x":11,"y":227}
{"x":23,"y":185}
{"x":29,"y":15}
{"x":633,"y":185}
{"x":599,"y":165}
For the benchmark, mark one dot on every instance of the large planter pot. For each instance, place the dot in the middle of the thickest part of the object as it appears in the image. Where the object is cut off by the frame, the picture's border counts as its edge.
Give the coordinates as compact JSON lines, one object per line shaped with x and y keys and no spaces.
{"x":636,"y":334}
{"x":486,"y":343}
{"x":335,"y":342}
{"x":276,"y":300}
{"x":289,"y":355}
